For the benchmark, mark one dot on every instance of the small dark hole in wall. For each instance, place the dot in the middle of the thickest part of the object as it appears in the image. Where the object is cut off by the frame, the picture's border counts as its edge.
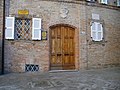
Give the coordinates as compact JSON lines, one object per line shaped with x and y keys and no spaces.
{"x":103,"y":44}
{"x":12,"y":43}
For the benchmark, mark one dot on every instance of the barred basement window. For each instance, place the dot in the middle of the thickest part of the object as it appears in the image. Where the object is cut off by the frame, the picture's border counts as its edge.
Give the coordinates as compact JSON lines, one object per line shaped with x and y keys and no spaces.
{"x":22,"y":29}
{"x":31,"y":68}
{"x":118,"y":2}
{"x":104,"y":1}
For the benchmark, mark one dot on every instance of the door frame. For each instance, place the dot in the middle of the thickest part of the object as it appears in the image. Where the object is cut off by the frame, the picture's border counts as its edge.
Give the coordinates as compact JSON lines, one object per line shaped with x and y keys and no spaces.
{"x":76,"y":44}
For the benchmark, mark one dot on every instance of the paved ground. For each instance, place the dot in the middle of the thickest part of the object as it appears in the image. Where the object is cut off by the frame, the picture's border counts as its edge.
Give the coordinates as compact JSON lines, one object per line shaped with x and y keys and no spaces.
{"x":105,"y":79}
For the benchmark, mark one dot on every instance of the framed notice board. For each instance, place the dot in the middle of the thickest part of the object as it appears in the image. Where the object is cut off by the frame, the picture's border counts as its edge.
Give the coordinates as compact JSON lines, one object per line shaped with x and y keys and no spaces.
{"x":23,"y":12}
{"x":44,"y":35}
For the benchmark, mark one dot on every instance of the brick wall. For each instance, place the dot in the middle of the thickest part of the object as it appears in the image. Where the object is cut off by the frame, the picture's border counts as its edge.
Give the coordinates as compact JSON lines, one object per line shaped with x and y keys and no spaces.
{"x":88,"y":54}
{"x":106,"y":53}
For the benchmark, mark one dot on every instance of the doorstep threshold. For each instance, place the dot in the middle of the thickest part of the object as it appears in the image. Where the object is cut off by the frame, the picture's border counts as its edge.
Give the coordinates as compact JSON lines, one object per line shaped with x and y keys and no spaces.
{"x":63,"y":71}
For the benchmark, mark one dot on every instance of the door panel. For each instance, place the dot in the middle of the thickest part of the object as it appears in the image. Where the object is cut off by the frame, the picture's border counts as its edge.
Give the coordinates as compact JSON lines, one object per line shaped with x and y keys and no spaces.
{"x":62,"y":48}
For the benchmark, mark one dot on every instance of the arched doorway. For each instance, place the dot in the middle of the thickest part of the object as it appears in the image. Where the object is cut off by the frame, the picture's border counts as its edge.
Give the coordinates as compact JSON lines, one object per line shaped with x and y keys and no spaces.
{"x":62,"y":47}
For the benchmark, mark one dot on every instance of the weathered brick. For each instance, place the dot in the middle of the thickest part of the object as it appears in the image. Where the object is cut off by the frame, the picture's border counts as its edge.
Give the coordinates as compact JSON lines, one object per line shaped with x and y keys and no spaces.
{"x":88,"y":54}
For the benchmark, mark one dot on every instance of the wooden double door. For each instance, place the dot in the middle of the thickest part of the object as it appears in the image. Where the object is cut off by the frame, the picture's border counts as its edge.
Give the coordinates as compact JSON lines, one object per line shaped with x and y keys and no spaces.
{"x":62,"y":48}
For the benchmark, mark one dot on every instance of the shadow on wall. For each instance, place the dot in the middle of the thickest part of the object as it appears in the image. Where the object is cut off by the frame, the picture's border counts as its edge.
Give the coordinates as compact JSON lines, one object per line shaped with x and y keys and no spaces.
{"x":0,"y":56}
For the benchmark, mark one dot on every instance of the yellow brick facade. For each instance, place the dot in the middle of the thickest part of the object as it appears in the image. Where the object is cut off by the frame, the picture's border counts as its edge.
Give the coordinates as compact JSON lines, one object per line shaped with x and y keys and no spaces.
{"x":88,"y":54}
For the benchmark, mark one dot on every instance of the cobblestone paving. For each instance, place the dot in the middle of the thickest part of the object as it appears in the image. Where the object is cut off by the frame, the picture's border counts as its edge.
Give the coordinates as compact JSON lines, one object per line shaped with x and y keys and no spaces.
{"x":100,"y":79}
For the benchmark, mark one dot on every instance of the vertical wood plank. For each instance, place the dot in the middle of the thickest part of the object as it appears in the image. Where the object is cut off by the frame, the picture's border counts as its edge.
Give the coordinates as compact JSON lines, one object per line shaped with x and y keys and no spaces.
{"x":63,"y":47}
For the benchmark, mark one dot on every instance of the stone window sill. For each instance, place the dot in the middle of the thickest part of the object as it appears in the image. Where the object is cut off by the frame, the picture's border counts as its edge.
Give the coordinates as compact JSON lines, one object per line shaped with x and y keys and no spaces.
{"x":98,"y":42}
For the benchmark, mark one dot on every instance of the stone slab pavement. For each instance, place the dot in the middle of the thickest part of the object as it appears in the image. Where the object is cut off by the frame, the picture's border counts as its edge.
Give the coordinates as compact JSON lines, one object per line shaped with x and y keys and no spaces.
{"x":99,"y":79}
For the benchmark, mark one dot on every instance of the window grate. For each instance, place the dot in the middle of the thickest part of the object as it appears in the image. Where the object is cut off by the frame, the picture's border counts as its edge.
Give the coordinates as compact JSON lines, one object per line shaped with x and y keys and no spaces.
{"x":22,"y":29}
{"x":31,"y":68}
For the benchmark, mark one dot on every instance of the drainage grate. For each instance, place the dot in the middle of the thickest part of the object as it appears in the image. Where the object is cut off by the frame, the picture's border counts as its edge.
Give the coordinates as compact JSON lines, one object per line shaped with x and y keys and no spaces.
{"x":31,"y":68}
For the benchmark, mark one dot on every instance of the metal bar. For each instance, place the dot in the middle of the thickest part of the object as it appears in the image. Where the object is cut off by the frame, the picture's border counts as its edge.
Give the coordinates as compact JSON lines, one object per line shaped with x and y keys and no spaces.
{"x":3,"y":37}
